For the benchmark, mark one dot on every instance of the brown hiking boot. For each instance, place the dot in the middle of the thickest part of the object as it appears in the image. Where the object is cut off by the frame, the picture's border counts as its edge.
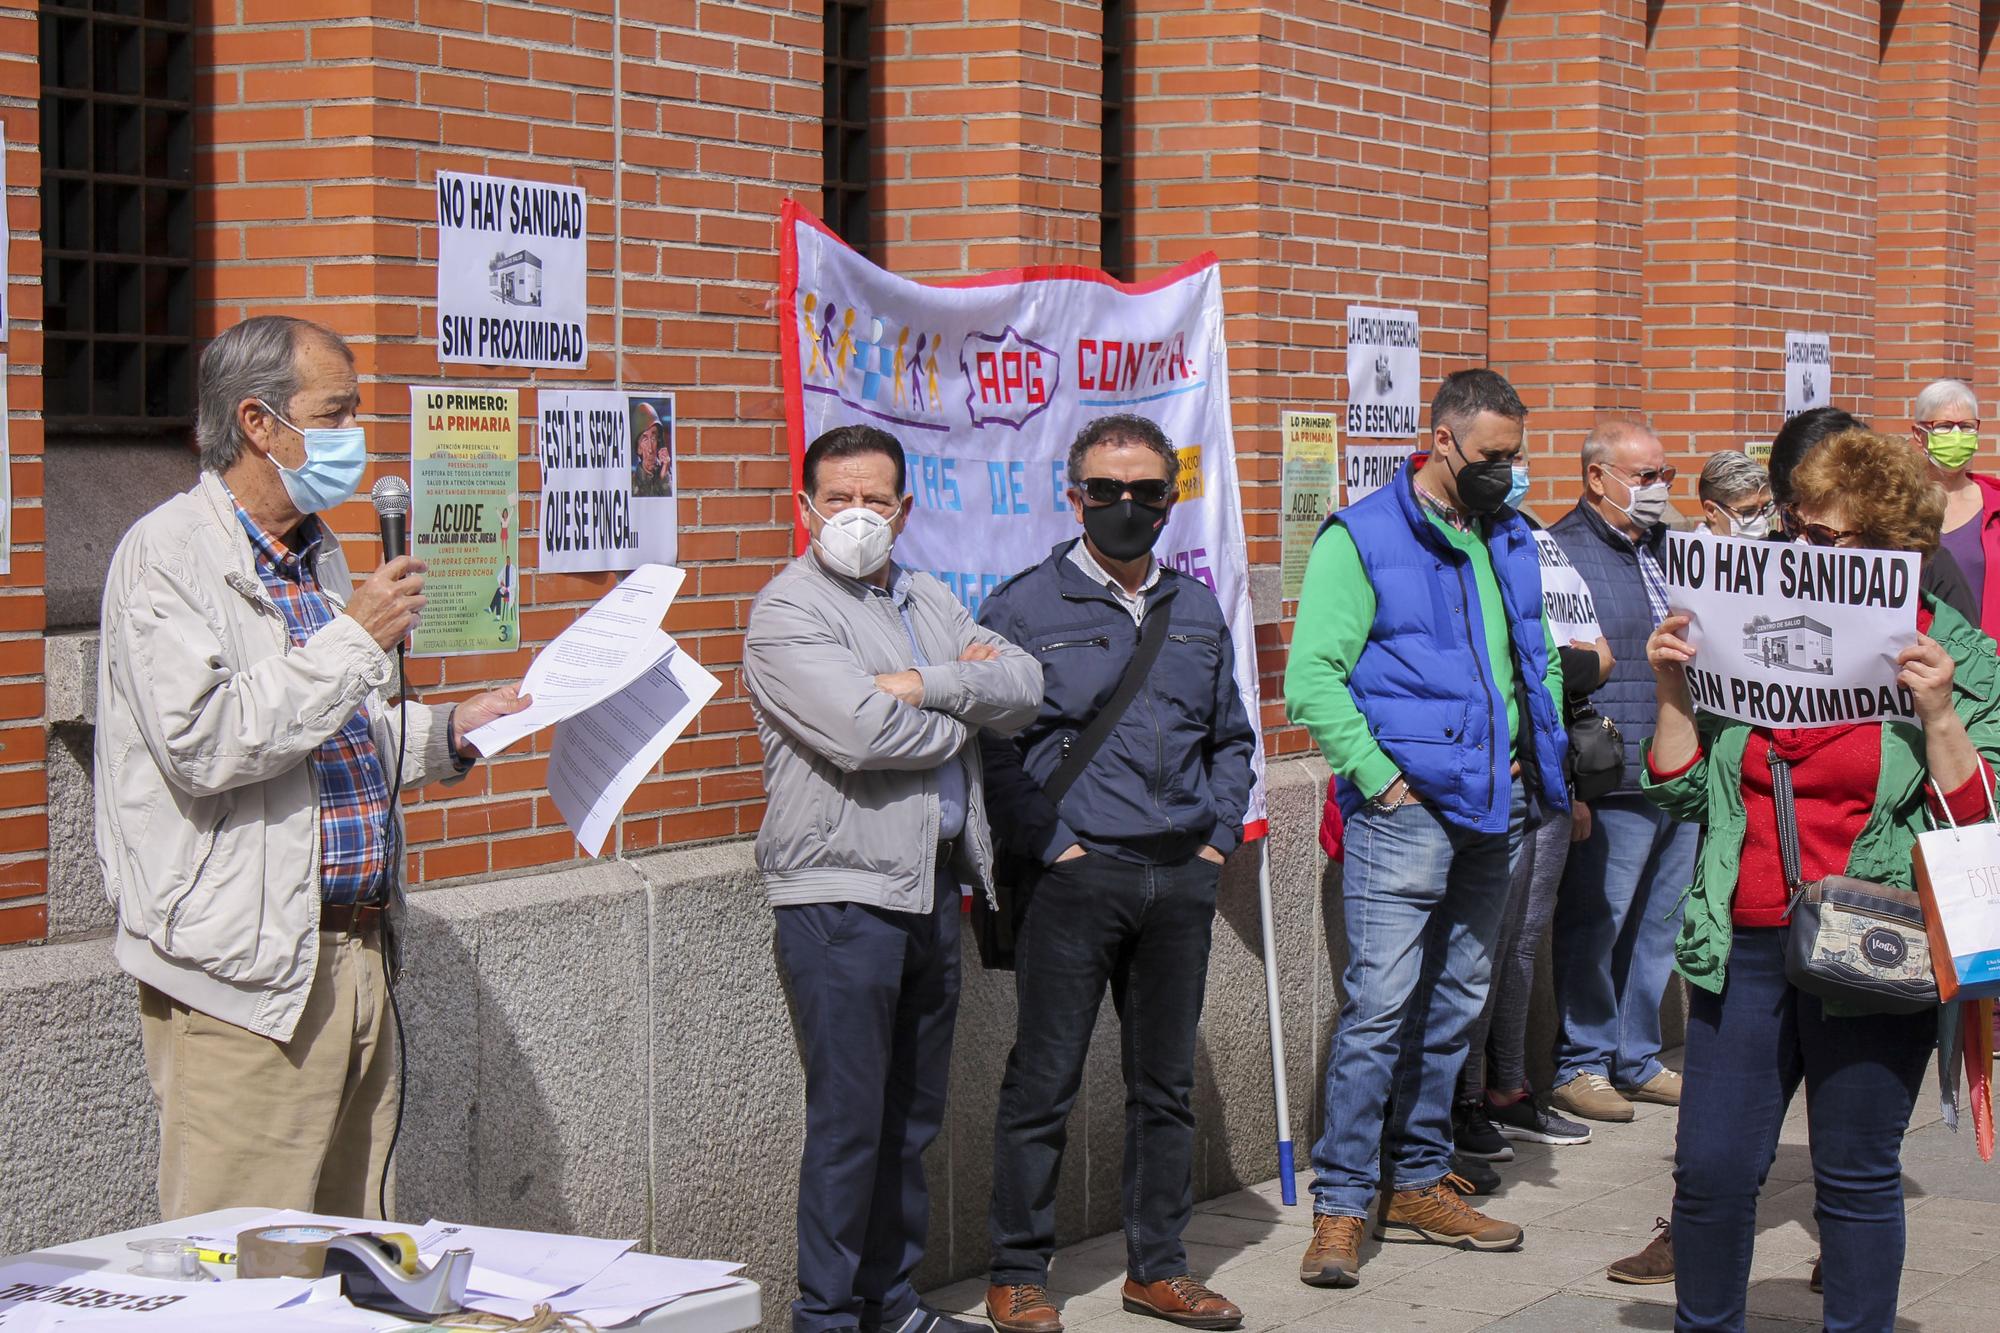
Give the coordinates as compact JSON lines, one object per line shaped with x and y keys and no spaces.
{"x":1437,"y":1214}
{"x":1181,"y":1300}
{"x":1334,"y":1257}
{"x":1022,"y":1309}
{"x":1650,"y":1266}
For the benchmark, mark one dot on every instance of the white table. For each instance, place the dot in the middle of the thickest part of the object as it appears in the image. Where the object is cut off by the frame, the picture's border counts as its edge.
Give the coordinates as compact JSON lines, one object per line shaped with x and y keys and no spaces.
{"x":724,"y":1310}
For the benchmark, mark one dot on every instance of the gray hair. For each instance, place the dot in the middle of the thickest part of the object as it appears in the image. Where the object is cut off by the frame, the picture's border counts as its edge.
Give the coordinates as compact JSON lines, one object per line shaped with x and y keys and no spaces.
{"x":1121,"y":428}
{"x":1608,"y":435}
{"x":1728,"y":477}
{"x":1941,"y":394}
{"x":255,"y":359}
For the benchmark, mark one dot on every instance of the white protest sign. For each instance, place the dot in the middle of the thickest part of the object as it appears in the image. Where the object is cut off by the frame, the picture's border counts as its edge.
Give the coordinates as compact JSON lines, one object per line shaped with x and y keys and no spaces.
{"x":1384,"y":372}
{"x":1808,"y":372}
{"x":1794,"y":636}
{"x":591,"y":520}
{"x":1367,"y":468}
{"x":510,"y":269}
{"x":986,"y":383}
{"x":1566,"y":600}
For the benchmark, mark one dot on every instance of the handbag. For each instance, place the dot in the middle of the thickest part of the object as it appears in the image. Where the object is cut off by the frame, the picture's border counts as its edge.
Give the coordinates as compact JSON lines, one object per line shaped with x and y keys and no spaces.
{"x":1596,"y":754}
{"x":997,"y":923}
{"x":1851,"y":941}
{"x":1958,"y":882}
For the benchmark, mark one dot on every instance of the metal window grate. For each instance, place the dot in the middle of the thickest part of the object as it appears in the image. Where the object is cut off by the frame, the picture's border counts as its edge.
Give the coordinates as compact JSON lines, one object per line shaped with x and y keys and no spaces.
{"x":118,"y":218}
{"x":1114,"y":199}
{"x":849,"y":136}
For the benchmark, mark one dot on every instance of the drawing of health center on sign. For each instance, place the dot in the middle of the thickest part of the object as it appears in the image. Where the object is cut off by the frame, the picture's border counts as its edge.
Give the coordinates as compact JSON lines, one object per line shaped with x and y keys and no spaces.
{"x":1796,"y":643}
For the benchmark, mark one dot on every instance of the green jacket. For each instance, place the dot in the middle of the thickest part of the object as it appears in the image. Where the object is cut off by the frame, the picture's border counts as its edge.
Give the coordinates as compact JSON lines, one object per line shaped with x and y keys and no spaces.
{"x":1711,"y":794}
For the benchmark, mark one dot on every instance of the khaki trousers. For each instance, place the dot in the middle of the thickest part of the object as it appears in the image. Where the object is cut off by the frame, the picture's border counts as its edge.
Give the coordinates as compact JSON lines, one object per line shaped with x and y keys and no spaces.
{"x":248,"y":1121}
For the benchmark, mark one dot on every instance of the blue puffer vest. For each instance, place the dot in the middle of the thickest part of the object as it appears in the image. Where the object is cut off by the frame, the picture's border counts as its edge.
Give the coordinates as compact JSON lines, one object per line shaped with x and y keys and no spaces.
{"x":1610,"y":565}
{"x":1422,"y":680}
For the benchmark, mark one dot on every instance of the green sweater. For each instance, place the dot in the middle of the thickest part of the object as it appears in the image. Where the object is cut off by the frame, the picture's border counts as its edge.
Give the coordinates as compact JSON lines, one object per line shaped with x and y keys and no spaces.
{"x":1336,"y":613}
{"x":1711,"y":794}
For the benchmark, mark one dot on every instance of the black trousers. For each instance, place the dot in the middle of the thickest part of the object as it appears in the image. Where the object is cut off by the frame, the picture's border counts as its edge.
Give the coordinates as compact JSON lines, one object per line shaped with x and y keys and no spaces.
{"x":876,"y":993}
{"x":1145,"y":931}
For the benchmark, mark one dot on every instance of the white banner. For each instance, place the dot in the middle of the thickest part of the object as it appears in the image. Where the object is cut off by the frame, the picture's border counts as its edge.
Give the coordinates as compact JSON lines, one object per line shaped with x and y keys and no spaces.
{"x":1385,"y":377}
{"x":1808,"y":372}
{"x":1566,"y":600}
{"x":1794,"y":636}
{"x":985,"y":383}
{"x":510,"y":268}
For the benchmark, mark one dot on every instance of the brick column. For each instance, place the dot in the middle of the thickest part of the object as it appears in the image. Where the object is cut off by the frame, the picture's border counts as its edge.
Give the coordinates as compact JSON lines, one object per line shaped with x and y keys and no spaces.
{"x":1926,"y":175}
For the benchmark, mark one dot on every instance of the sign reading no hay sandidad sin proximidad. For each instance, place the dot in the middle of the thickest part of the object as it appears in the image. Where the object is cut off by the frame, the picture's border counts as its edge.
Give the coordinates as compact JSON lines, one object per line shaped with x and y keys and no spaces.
{"x":511,"y":270}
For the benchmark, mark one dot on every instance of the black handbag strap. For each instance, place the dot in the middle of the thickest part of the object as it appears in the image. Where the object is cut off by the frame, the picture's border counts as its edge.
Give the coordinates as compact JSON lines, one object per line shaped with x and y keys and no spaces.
{"x":1151,"y":637}
{"x":1788,"y":818}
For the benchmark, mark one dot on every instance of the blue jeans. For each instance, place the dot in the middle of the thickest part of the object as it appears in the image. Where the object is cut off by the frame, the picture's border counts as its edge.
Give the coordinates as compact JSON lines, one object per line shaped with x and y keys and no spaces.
{"x":1616,"y":917}
{"x":1747,"y":1051}
{"x":1423,"y":902}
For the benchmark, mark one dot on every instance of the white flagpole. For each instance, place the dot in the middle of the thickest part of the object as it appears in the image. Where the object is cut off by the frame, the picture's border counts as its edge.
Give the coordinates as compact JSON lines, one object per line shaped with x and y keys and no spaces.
{"x":1287,"y":1180}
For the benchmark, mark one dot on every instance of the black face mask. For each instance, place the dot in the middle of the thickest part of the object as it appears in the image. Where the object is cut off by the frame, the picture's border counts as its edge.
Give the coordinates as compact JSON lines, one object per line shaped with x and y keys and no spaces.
{"x":1483,"y":486}
{"x":1125,"y":529}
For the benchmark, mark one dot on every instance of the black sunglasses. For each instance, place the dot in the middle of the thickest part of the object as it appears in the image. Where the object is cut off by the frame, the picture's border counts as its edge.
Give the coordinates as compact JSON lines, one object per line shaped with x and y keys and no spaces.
{"x":1110,"y":490}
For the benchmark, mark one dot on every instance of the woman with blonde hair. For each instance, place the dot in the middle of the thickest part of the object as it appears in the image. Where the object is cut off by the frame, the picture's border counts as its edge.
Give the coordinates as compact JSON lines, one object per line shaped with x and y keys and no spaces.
{"x":1861,"y":793}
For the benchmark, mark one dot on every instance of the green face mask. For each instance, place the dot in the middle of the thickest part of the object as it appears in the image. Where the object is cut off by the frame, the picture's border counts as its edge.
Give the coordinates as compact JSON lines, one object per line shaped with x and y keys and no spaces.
{"x":1952,"y":449}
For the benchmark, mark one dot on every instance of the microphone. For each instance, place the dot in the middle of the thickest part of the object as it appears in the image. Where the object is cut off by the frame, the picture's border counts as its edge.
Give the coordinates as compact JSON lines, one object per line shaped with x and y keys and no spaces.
{"x":391,"y":497}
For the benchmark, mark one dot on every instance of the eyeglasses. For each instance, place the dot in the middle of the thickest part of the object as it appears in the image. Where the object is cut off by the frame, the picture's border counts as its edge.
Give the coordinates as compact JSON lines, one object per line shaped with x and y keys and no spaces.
{"x":1110,"y":490}
{"x":1752,"y":515}
{"x":1927,"y":427}
{"x":1649,"y":477}
{"x":1818,"y":534}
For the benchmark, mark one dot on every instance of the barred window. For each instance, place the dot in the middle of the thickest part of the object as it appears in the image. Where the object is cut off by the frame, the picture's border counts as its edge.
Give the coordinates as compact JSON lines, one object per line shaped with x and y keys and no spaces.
{"x":118,"y":218}
{"x":1115,"y":190}
{"x":848,"y":167}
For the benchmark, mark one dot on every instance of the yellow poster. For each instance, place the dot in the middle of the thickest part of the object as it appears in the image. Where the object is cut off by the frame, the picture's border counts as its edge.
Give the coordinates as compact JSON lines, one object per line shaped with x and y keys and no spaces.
{"x":1311,"y":453}
{"x":464,"y":455}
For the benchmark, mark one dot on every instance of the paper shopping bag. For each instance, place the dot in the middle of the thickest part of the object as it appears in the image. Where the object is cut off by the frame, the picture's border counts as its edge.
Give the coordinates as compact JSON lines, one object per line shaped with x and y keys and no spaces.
{"x":1958,"y":877}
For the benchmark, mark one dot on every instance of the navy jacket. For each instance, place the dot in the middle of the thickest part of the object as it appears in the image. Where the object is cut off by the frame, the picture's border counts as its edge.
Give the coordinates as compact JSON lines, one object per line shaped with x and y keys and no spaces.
{"x":1609,"y":563}
{"x":1175,"y":771}
{"x":1430,"y":705}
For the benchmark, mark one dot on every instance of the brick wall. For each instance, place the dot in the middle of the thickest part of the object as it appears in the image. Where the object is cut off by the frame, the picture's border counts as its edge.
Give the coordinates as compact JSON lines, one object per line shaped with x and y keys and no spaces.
{"x":1623,"y":206}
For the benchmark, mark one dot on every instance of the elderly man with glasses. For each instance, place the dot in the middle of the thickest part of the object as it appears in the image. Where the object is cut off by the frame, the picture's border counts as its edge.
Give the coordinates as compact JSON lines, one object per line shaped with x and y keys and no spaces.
{"x":1616,"y":912}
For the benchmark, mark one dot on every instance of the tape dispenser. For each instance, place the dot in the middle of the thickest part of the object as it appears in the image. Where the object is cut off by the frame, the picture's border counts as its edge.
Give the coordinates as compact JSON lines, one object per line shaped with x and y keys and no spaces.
{"x":377,"y":1270}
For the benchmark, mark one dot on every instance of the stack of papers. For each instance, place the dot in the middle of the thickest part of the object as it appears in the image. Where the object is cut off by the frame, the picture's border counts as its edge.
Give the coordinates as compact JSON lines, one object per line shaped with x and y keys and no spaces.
{"x":39,"y":1296}
{"x":618,"y":691}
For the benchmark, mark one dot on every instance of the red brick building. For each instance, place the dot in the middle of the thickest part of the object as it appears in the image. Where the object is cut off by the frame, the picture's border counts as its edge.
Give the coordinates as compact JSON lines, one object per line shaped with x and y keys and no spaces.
{"x":1624,"y":206}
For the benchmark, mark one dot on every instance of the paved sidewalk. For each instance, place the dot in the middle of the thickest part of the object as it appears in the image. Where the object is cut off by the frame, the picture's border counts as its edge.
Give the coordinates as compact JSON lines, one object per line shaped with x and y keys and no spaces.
{"x":1583,"y":1207}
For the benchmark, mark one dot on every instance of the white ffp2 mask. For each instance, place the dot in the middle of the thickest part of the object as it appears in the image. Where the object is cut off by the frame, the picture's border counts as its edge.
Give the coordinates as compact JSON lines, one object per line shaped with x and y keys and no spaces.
{"x":854,"y":542}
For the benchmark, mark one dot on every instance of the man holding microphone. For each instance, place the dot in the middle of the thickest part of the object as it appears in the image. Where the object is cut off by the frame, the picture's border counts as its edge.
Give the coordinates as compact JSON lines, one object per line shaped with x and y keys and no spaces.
{"x":246,"y":823}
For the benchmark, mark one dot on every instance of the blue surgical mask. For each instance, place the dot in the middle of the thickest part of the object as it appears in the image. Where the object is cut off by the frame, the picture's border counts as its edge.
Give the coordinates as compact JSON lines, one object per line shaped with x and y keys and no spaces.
{"x":335,"y":460}
{"x":1519,"y":490}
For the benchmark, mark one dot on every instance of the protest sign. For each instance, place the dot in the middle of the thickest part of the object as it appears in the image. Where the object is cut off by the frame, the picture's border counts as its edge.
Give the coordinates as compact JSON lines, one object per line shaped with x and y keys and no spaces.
{"x":1311,"y":444}
{"x":1384,"y":372}
{"x":1367,"y":468}
{"x":1758,"y":452}
{"x":510,"y":270}
{"x":985,"y":383}
{"x":464,"y":457}
{"x":1794,"y":636}
{"x":1808,"y":372}
{"x":654,"y":479}
{"x":1566,"y":600}
{"x":591,"y":458}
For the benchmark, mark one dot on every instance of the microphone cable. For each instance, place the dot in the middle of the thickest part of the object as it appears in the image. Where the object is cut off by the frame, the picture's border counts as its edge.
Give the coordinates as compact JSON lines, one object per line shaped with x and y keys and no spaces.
{"x":395,"y":870}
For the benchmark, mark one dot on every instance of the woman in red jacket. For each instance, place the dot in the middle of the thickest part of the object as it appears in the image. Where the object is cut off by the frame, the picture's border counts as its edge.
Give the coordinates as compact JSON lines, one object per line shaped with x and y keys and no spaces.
{"x":1944,"y":427}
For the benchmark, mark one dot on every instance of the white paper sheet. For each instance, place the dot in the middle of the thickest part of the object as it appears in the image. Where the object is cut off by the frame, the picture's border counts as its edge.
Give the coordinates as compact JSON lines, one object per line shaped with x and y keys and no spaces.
{"x":320,"y":1317}
{"x":632,"y":1285}
{"x":602,"y":754}
{"x":610,"y":645}
{"x":544,"y":1258}
{"x":30,"y":1287}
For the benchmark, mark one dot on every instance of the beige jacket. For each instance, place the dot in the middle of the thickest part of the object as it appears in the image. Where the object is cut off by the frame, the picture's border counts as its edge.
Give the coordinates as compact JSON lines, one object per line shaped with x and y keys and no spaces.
{"x":207,"y":719}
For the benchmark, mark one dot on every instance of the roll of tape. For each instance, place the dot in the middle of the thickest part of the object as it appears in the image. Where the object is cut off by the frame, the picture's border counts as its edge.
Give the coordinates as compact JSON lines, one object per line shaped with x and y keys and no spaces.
{"x":289,"y":1251}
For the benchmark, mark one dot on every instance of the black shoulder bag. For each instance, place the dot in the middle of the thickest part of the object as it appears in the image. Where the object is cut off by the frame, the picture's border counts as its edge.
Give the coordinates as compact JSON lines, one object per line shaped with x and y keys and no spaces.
{"x":1852,"y":941}
{"x":995,"y":924}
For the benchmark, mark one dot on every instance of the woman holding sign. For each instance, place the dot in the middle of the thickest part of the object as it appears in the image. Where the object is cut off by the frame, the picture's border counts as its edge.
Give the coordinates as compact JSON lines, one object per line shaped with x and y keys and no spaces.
{"x":1860,"y":792}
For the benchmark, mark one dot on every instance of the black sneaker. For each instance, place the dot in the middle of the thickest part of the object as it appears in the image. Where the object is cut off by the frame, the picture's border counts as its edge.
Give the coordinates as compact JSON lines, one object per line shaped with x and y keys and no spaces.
{"x":1530,"y":1122}
{"x":1474,"y":1136}
{"x":1471,"y":1177}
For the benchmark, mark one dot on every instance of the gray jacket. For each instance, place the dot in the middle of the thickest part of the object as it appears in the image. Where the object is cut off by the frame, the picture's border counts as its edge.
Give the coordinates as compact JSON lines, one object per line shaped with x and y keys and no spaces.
{"x":850,"y":773}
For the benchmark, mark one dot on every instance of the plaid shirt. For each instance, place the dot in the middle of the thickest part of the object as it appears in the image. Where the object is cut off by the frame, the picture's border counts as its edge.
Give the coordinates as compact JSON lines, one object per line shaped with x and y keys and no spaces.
{"x":353,"y":790}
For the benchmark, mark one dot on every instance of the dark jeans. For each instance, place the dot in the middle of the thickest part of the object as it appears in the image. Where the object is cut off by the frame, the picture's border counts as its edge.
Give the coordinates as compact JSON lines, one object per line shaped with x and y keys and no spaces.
{"x":1747,"y":1050}
{"x":1496,"y":1054}
{"x":876,"y":993}
{"x":1145,"y":930}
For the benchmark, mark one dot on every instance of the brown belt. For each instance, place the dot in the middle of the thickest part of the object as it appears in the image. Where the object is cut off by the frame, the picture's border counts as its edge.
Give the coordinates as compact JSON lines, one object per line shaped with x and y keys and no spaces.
{"x":350,"y":918}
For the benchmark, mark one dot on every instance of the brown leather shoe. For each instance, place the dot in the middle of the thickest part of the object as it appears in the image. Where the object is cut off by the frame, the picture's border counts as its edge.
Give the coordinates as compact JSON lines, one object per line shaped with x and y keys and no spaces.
{"x":1334,"y":1257}
{"x":1182,"y":1300}
{"x":1022,"y":1309}
{"x":1437,"y":1214}
{"x":1650,"y":1266}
